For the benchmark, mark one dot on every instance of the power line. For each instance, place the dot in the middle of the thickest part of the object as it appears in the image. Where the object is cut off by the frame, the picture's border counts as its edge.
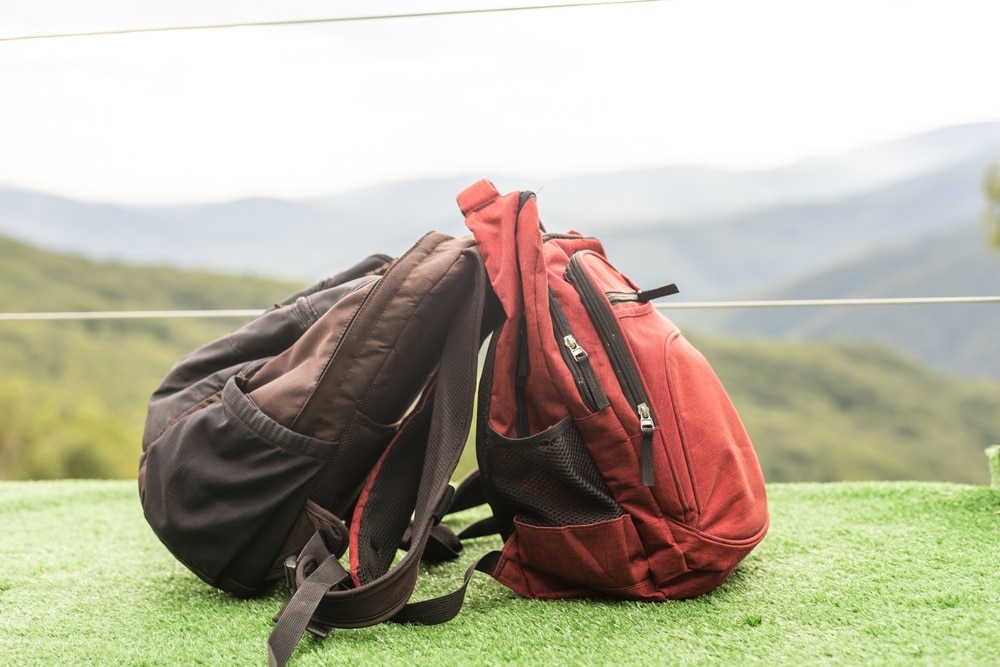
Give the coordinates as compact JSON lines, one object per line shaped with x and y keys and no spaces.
{"x":785,"y":303}
{"x":338,"y":19}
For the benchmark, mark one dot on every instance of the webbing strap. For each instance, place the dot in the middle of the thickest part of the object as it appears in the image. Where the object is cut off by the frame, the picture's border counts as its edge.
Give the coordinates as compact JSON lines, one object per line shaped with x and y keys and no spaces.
{"x":446,"y":607}
{"x":296,"y":615}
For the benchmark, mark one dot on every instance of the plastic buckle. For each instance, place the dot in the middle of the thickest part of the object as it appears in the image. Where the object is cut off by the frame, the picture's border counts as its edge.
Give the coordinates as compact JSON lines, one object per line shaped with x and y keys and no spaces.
{"x":291,"y":565}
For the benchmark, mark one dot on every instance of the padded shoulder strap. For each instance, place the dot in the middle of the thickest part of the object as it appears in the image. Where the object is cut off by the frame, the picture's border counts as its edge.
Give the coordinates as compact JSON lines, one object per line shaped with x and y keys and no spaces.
{"x":384,"y":597}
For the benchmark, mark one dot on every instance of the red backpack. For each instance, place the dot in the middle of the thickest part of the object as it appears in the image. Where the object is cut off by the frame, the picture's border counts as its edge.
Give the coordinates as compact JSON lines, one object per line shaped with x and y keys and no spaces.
{"x":613,"y":460}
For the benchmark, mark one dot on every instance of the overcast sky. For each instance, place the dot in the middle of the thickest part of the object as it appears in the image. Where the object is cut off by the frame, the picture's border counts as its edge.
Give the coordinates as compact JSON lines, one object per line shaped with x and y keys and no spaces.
{"x":309,"y":110}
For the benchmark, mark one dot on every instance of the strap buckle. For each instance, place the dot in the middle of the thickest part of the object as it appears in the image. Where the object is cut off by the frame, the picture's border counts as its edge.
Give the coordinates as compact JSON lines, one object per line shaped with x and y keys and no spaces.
{"x":291,"y":565}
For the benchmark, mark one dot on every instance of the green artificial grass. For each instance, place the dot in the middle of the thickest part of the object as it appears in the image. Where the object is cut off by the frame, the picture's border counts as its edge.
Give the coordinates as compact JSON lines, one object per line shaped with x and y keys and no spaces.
{"x":873,"y":573}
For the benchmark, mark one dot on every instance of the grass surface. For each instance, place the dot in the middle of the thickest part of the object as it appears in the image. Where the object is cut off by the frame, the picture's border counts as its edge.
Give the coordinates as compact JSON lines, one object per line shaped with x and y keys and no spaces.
{"x":868,"y":573}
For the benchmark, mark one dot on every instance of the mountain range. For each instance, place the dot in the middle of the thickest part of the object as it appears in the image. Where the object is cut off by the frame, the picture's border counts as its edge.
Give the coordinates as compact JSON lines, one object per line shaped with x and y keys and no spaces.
{"x":896,"y":219}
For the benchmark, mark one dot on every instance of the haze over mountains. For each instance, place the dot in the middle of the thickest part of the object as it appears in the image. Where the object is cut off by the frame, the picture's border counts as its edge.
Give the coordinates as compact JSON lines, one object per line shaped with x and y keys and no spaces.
{"x":898,"y":219}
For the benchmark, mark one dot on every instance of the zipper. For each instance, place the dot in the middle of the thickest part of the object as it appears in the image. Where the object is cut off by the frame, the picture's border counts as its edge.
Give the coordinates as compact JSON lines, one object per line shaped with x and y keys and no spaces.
{"x":520,"y":382}
{"x":642,"y":296}
{"x":622,"y":297}
{"x":628,"y":376}
{"x":577,"y":359}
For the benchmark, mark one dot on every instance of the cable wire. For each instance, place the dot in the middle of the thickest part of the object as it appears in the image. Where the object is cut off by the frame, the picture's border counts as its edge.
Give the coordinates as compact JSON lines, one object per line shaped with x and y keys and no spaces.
{"x":338,"y":19}
{"x":249,"y":312}
{"x":805,"y":303}
{"x":129,"y":314}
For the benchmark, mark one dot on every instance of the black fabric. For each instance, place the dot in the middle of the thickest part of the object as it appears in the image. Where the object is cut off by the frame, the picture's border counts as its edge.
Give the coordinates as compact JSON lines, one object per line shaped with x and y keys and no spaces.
{"x":224,"y":486}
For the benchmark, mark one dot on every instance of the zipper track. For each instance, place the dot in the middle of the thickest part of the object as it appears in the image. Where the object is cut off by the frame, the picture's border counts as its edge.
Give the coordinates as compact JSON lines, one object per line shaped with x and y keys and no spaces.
{"x":622,"y":297}
{"x":576,"y":359}
{"x":628,"y":375}
{"x":607,"y":326}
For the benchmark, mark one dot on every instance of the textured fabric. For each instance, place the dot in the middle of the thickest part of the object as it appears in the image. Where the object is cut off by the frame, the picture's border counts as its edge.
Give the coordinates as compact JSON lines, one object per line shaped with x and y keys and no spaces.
{"x":682,"y":494}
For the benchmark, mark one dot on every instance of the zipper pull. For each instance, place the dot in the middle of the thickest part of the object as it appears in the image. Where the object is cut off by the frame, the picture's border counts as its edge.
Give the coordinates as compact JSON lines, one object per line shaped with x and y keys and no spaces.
{"x":579,"y":354}
{"x":646,"y":455}
{"x":645,"y":296}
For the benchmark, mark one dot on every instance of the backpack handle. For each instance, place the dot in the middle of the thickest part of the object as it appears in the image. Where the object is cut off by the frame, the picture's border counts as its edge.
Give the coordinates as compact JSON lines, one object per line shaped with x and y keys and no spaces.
{"x":478,"y":194}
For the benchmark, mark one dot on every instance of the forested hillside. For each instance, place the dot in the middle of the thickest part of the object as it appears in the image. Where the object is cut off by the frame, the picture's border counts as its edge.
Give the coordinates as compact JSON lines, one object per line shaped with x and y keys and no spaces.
{"x":957,"y":338}
{"x":73,"y":393}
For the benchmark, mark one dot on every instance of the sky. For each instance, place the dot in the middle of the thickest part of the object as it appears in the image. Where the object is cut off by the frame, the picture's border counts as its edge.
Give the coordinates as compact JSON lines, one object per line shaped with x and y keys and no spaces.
{"x":310,"y":110}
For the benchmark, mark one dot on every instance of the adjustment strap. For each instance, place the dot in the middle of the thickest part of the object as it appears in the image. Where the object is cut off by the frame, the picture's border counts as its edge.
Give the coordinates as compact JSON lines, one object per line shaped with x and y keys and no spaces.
{"x":442,"y":544}
{"x":469,"y":492}
{"x":443,"y":609}
{"x":481,"y":528}
{"x":296,"y":616}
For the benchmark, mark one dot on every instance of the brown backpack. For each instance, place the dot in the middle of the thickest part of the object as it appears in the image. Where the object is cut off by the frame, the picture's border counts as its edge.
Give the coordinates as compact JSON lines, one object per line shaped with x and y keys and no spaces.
{"x":299,"y":422}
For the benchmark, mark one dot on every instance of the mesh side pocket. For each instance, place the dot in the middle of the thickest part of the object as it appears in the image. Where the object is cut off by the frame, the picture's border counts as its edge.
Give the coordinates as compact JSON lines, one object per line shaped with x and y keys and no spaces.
{"x":547,"y":479}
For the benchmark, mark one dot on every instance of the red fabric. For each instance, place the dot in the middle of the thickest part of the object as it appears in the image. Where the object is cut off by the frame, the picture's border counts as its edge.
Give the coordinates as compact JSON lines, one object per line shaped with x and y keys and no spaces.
{"x":680,"y":537}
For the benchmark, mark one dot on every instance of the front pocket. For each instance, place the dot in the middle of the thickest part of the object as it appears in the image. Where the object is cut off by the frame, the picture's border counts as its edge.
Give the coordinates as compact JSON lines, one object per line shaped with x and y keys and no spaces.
{"x":604,"y":557}
{"x":547,"y":479}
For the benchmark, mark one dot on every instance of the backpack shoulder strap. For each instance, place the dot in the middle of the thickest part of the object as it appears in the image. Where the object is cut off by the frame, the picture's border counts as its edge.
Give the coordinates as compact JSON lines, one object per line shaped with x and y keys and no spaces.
{"x":444,"y":425}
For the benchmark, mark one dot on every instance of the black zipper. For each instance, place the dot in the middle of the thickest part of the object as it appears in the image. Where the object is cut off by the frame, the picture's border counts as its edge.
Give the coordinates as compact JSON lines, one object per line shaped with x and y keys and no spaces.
{"x":606,"y":324}
{"x":577,"y":359}
{"x":520,"y":382}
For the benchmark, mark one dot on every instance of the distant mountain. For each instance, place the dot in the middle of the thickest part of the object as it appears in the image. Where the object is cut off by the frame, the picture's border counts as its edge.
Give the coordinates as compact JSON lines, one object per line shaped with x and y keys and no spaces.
{"x":764,"y":248}
{"x":693,"y":195}
{"x":252,"y":236}
{"x":957,"y":338}
{"x":308,"y":238}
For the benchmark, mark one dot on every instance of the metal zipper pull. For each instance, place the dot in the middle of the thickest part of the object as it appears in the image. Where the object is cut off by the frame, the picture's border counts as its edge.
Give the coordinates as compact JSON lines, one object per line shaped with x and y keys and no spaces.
{"x":579,"y":354}
{"x":646,"y":455}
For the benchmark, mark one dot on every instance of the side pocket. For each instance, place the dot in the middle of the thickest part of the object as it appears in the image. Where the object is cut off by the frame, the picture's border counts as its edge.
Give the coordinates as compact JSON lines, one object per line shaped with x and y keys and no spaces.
{"x":224,"y":486}
{"x":547,"y":479}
